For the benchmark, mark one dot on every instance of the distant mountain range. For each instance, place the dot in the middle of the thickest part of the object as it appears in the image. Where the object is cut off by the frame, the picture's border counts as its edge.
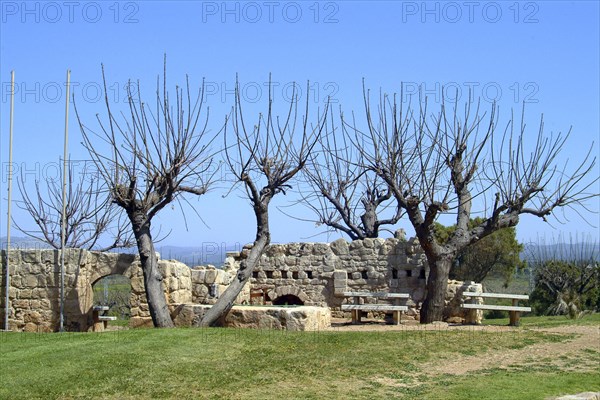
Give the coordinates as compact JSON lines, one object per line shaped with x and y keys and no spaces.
{"x":208,"y":253}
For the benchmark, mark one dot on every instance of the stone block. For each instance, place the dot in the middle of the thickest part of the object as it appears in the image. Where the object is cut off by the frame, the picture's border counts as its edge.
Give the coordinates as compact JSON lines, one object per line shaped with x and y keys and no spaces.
{"x":210,"y":277}
{"x":321,"y":249}
{"x":198,"y":275}
{"x":30,"y":281}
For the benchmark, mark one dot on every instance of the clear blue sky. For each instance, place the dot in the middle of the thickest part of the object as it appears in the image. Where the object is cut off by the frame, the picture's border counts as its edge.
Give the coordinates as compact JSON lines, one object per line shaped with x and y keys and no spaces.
{"x":544,"y":53}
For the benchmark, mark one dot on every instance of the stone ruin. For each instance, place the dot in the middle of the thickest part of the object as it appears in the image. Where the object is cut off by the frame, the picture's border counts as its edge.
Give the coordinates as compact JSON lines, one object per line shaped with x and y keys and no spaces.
{"x":308,"y":274}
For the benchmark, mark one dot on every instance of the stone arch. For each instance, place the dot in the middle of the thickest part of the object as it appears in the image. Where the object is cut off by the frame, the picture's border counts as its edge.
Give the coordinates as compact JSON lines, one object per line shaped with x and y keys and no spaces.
{"x":282,"y":291}
{"x":95,"y":267}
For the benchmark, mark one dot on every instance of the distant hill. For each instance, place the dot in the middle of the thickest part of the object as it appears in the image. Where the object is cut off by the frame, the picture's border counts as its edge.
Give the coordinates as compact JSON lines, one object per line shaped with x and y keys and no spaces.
{"x":208,"y":253}
{"x":565,"y":251}
{"x":23,"y":242}
{"x":191,"y":255}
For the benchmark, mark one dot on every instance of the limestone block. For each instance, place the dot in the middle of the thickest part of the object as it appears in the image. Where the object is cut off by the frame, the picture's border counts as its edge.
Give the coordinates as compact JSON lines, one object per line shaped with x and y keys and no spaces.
{"x":321,"y":249}
{"x":198,"y":275}
{"x":210,"y":276}
{"x":291,"y":261}
{"x":20,"y":304}
{"x":30,"y":281}
{"x":199,"y":292}
{"x":180,"y":296}
{"x":185,"y":283}
{"x":171,"y":283}
{"x":137,"y":285}
{"x":140,"y":322}
{"x":354,"y":246}
{"x":50,"y":257}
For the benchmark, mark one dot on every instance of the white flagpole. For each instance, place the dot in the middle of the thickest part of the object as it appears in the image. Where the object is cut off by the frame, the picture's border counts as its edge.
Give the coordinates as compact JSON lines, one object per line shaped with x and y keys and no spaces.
{"x":64,"y":205}
{"x":10,"y":173}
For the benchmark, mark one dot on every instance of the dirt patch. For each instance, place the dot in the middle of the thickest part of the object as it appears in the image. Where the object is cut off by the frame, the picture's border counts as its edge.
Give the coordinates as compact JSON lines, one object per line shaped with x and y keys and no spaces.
{"x":580,"y":353}
{"x":564,"y":354}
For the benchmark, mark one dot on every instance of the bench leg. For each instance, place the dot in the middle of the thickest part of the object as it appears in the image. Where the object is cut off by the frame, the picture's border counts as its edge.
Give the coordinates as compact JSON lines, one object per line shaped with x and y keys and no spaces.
{"x":514,"y":317}
{"x":397,"y":317}
{"x":356,"y":316}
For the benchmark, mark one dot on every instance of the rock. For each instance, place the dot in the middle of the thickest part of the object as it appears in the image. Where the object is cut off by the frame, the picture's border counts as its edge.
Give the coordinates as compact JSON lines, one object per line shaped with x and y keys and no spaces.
{"x":303,"y":318}
{"x":438,"y":324}
{"x":339,"y":247}
{"x":581,"y":396}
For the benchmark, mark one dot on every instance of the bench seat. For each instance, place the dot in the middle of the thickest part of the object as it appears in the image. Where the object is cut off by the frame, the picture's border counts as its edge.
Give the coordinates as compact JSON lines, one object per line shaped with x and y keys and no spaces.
{"x":373,"y":307}
{"x":377,"y":294}
{"x":496,"y":307}
{"x":497,"y":295}
{"x":106,"y":318}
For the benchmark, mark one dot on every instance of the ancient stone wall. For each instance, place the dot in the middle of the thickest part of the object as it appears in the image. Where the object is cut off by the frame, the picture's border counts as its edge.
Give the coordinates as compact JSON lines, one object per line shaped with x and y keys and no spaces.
{"x":311,"y":274}
{"x":318,"y":273}
{"x":34,"y":293}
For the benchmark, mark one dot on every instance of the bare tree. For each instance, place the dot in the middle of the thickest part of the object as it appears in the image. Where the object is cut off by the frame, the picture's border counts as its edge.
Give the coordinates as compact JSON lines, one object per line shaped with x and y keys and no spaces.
{"x":90,"y":218}
{"x":264,"y":160}
{"x":343,"y":195}
{"x":152,"y":158}
{"x":441,"y":163}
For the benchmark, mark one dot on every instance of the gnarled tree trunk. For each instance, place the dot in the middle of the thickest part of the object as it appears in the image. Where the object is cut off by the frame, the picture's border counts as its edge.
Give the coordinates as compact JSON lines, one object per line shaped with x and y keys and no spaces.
{"x":153,"y":278}
{"x":437,"y":285}
{"x":217,"y":313}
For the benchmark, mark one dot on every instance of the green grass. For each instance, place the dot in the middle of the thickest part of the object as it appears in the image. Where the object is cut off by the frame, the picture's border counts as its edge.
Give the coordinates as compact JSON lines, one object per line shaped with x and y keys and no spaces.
{"x":250,"y":364}
{"x":548,"y":321}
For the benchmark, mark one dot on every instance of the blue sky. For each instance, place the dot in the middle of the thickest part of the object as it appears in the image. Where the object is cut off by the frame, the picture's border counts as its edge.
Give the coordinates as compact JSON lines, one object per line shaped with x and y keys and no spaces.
{"x":545,"y":54}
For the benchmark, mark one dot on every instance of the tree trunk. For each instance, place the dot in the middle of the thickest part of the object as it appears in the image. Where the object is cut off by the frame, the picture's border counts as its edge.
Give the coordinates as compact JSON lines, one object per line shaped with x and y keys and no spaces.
{"x":437,"y":285}
{"x":155,"y":292}
{"x":369,"y":221}
{"x":216,"y":314}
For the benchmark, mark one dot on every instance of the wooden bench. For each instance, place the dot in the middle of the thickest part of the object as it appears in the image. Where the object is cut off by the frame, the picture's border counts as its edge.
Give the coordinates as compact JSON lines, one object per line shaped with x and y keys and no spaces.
{"x":356,"y":308}
{"x":100,"y":319}
{"x":514,"y":310}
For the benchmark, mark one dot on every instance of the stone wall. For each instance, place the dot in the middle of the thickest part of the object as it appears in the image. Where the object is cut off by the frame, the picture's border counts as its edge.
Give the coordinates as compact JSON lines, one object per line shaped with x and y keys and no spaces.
{"x":311,"y":274}
{"x":34,"y":293}
{"x":318,"y":273}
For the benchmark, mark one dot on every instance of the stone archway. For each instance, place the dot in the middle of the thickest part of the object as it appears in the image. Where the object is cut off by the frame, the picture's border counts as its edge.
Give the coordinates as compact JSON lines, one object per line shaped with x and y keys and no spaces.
{"x":93,"y":266}
{"x":280,"y":294}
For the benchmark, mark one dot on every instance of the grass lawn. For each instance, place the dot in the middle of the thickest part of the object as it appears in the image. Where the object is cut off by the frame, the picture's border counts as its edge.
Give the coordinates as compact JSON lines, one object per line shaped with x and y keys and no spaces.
{"x":250,"y":364}
{"x":548,"y":321}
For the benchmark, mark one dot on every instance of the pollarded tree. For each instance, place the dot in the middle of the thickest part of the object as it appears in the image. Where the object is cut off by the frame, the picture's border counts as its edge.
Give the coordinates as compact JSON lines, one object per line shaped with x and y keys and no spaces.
{"x":441,"y":163}
{"x":90,"y":218}
{"x":153,"y":157}
{"x":343,"y":195}
{"x":264,"y":160}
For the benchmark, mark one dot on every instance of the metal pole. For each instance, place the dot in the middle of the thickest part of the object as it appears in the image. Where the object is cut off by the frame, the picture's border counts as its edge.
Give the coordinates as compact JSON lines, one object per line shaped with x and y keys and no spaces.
{"x":64,"y":208}
{"x":10,"y":173}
